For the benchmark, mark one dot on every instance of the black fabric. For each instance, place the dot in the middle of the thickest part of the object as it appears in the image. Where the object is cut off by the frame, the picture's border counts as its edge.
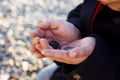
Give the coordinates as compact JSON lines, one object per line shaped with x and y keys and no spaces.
{"x":101,"y":65}
{"x":104,"y":63}
{"x":74,"y":18}
{"x":105,"y":26}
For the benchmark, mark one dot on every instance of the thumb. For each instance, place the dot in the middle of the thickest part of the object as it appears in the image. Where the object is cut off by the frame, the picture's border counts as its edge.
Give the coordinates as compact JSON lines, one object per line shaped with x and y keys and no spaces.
{"x":85,"y":49}
{"x":48,"y":25}
{"x":79,"y":52}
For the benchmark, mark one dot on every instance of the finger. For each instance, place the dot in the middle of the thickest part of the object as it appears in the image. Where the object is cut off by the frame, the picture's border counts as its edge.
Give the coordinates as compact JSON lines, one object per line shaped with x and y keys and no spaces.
{"x":36,"y":40}
{"x":55,"y":53}
{"x":49,"y":25}
{"x":37,"y":33}
{"x":60,"y":60}
{"x":76,"y":60}
{"x":44,"y":25}
{"x":33,"y":33}
{"x":85,"y":48}
{"x":39,"y":55}
{"x":62,"y":56}
{"x":33,"y":49}
{"x":44,"y":44}
{"x":38,"y":47}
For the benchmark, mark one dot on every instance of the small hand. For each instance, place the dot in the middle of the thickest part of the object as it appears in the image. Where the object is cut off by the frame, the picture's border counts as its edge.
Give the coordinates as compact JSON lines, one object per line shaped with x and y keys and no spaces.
{"x":81,"y":50}
{"x":60,"y":31}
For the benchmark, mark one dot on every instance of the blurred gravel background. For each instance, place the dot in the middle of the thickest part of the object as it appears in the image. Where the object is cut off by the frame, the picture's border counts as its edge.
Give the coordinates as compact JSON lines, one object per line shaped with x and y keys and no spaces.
{"x":17,"y":19}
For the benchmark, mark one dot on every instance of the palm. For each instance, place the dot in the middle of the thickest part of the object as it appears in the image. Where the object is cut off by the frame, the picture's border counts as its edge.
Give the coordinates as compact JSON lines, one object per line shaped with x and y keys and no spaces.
{"x":63,"y":34}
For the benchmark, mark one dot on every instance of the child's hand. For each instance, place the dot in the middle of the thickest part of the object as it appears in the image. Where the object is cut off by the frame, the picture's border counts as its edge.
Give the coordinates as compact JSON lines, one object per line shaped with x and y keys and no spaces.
{"x":61,"y":31}
{"x":80,"y":50}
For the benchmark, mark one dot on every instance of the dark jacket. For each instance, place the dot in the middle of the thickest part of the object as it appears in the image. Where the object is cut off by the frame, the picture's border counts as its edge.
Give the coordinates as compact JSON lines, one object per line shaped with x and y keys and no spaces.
{"x":104,"y":62}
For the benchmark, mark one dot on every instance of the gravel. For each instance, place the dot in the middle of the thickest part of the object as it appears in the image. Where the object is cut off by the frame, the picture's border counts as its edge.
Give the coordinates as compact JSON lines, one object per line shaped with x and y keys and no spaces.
{"x":17,"y":19}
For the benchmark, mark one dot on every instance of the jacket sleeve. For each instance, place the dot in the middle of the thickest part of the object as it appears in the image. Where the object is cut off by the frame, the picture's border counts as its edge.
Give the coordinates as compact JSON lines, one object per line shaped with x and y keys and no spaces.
{"x":99,"y":63}
{"x":102,"y":64}
{"x":74,"y":18}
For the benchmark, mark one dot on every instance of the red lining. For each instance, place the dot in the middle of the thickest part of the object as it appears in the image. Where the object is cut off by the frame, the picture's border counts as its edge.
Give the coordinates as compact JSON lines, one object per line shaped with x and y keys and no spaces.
{"x":98,"y":9}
